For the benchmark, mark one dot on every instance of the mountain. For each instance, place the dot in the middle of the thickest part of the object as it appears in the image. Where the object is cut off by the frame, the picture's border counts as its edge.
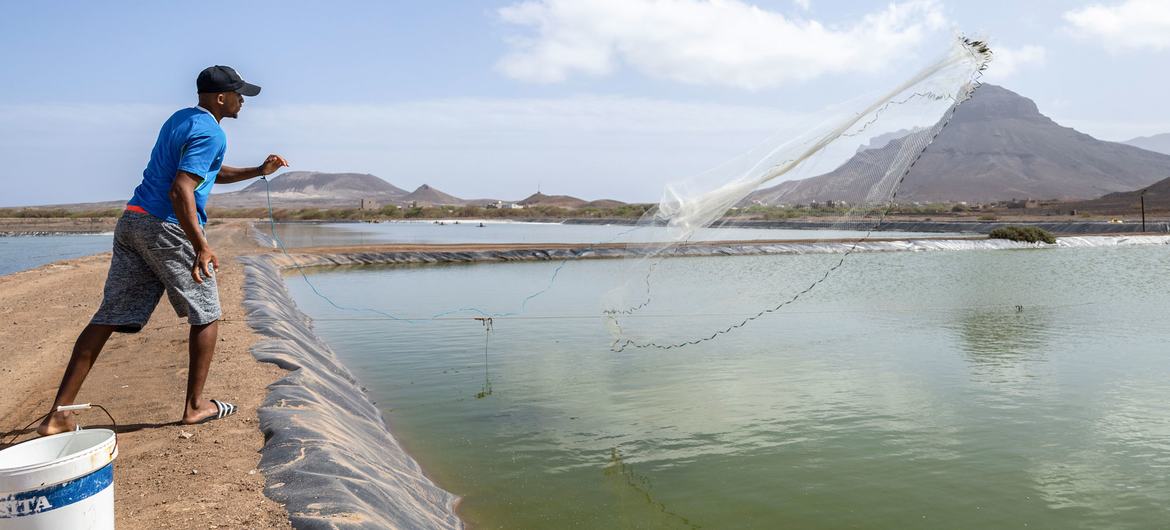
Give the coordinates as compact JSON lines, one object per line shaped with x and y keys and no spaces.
{"x":1158,"y":143}
{"x":312,"y":189}
{"x":1129,"y":202}
{"x":998,"y":146}
{"x":428,"y":196}
{"x":604,"y":203}
{"x":563,"y":201}
{"x":333,"y":184}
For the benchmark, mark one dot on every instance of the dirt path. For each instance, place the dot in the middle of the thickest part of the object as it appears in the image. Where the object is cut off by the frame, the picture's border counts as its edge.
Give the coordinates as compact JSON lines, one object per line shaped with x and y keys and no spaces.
{"x":162,"y":479}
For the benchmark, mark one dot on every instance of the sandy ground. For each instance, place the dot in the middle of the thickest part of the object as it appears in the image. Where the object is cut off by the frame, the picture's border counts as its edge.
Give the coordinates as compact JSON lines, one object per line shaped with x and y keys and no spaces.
{"x":163,"y":479}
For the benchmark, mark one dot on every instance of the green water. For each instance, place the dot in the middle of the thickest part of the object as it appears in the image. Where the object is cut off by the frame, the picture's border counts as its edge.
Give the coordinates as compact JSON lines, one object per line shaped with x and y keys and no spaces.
{"x":908,"y":391}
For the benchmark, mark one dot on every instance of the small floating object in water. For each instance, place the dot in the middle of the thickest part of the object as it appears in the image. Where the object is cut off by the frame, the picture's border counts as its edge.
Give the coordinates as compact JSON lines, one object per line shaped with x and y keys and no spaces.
{"x":481,"y":225}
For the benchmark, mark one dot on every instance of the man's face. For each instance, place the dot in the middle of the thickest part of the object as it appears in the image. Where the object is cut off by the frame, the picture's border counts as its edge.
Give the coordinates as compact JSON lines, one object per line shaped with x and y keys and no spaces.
{"x":232,"y":103}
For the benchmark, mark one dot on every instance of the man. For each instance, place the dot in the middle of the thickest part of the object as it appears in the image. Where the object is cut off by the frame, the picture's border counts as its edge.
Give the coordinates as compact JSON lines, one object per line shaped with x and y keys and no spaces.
{"x":159,"y":245}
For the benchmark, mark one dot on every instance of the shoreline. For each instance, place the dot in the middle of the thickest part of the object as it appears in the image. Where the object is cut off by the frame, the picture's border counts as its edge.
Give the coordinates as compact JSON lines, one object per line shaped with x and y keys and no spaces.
{"x":20,"y":227}
{"x":434,"y":254}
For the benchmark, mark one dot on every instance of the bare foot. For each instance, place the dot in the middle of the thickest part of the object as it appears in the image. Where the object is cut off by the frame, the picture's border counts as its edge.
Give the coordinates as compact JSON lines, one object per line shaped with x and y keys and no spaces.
{"x":203,"y":410}
{"x":57,"y":422}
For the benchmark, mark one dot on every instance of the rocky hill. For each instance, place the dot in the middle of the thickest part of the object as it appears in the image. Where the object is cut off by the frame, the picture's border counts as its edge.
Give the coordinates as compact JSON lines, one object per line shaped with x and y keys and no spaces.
{"x":428,"y":196}
{"x":563,"y":201}
{"x":1129,"y":202}
{"x":312,"y":189}
{"x":998,"y":146}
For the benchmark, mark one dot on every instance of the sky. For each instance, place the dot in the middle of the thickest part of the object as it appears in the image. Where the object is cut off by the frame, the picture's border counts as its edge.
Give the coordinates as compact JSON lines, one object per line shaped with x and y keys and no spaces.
{"x":592,"y":98}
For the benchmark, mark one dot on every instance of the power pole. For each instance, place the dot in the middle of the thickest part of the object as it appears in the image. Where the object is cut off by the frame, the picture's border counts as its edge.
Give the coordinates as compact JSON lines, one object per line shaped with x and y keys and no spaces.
{"x":1143,"y":197}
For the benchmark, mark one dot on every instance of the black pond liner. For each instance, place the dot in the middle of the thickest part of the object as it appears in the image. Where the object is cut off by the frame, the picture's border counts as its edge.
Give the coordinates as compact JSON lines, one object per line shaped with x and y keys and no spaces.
{"x":328,"y":456}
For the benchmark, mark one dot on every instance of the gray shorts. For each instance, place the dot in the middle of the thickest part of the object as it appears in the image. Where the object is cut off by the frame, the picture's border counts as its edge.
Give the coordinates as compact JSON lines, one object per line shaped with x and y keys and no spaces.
{"x":152,"y":256}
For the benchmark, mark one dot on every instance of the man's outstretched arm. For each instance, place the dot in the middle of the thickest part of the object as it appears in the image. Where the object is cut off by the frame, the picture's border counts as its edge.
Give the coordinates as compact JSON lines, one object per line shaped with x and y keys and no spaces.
{"x":228,"y":174}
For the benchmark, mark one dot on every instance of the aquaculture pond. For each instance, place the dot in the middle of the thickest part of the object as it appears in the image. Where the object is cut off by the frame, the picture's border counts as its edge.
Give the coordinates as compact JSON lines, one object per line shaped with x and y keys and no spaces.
{"x":964,"y":389}
{"x":19,"y":253}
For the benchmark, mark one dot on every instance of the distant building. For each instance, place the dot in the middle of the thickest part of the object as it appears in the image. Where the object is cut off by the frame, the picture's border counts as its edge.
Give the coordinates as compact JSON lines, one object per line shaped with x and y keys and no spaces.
{"x":368,"y":204}
{"x":1023,"y":204}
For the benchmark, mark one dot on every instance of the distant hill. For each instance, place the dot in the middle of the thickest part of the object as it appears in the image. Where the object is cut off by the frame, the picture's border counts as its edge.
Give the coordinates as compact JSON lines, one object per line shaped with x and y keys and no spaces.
{"x":312,"y":189}
{"x":604,"y":203}
{"x":317,"y":189}
{"x":428,"y":196}
{"x":318,"y":183}
{"x":998,"y":146}
{"x":1158,"y":143}
{"x":1129,"y":202}
{"x":562,"y":201}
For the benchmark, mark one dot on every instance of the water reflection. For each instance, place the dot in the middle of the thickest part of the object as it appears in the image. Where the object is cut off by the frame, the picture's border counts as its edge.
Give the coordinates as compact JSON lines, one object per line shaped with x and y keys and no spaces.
{"x":1002,"y":345}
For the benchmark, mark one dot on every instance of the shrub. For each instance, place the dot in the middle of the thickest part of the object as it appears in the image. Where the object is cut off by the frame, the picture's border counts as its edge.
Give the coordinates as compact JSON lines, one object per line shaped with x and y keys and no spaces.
{"x":1031,"y":234}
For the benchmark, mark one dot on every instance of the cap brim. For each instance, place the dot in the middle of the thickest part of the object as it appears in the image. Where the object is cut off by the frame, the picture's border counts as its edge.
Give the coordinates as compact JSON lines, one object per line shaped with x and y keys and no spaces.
{"x":248,"y":89}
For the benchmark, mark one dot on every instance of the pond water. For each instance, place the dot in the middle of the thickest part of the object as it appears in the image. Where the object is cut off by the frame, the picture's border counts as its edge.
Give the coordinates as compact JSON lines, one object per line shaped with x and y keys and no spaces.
{"x":340,"y":234}
{"x":18,"y":253}
{"x":977,"y":389}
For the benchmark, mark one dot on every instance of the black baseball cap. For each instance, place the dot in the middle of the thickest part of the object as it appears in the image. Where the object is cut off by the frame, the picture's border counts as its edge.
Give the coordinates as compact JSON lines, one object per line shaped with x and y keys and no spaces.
{"x":215,"y":79}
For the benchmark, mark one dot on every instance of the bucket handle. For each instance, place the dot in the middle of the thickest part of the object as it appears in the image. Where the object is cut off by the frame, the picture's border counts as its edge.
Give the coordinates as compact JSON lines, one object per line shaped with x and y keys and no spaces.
{"x":71,"y":408}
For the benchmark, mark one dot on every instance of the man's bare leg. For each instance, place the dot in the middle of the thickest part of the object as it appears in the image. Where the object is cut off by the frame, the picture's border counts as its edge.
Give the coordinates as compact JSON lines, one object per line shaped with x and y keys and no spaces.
{"x":85,"y":352}
{"x":201,"y":346}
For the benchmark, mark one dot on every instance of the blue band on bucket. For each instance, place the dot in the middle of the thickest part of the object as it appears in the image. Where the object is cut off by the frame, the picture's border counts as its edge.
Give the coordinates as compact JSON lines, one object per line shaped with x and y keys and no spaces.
{"x":32,"y":502}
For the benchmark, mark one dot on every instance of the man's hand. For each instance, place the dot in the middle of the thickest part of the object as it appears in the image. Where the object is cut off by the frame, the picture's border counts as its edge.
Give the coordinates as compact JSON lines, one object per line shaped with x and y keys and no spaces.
{"x":205,"y":262}
{"x":271,"y":164}
{"x":230,"y":175}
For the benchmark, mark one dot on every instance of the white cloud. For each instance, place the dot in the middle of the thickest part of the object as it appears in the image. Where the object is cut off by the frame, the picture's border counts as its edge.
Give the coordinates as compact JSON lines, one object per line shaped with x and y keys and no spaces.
{"x":1132,"y":24}
{"x":712,"y":42}
{"x":1007,"y":61}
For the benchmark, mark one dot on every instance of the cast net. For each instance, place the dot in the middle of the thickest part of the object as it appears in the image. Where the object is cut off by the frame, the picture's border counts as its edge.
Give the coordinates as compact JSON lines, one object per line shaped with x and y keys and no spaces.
{"x":849,"y":169}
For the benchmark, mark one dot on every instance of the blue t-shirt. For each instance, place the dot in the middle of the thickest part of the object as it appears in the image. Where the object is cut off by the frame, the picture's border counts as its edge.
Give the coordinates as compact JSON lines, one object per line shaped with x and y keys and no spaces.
{"x":192,"y":141}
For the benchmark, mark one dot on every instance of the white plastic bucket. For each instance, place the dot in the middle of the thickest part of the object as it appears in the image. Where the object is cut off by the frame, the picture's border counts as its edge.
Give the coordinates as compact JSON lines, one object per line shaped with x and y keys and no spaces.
{"x":60,"y":481}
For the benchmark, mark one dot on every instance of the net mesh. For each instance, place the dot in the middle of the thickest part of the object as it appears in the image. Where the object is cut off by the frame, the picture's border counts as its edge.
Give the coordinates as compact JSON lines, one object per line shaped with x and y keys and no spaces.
{"x":859,"y":158}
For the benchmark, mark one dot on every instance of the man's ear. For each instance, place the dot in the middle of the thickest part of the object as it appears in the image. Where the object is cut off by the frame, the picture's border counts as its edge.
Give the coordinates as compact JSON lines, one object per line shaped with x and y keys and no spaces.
{"x":221,"y":98}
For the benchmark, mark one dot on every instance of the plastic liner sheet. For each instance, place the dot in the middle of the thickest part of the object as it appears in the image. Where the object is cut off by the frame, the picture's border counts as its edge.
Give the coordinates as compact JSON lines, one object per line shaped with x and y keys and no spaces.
{"x":328,"y":456}
{"x":702,"y":249}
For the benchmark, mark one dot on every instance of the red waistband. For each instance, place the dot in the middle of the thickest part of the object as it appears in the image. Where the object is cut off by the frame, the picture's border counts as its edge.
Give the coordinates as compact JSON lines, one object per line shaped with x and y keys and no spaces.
{"x":135,"y":208}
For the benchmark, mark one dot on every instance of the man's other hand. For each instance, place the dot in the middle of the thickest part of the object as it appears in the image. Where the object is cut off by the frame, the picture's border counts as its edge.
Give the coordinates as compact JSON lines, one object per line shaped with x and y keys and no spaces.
{"x":206,"y":263}
{"x":272,"y":163}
